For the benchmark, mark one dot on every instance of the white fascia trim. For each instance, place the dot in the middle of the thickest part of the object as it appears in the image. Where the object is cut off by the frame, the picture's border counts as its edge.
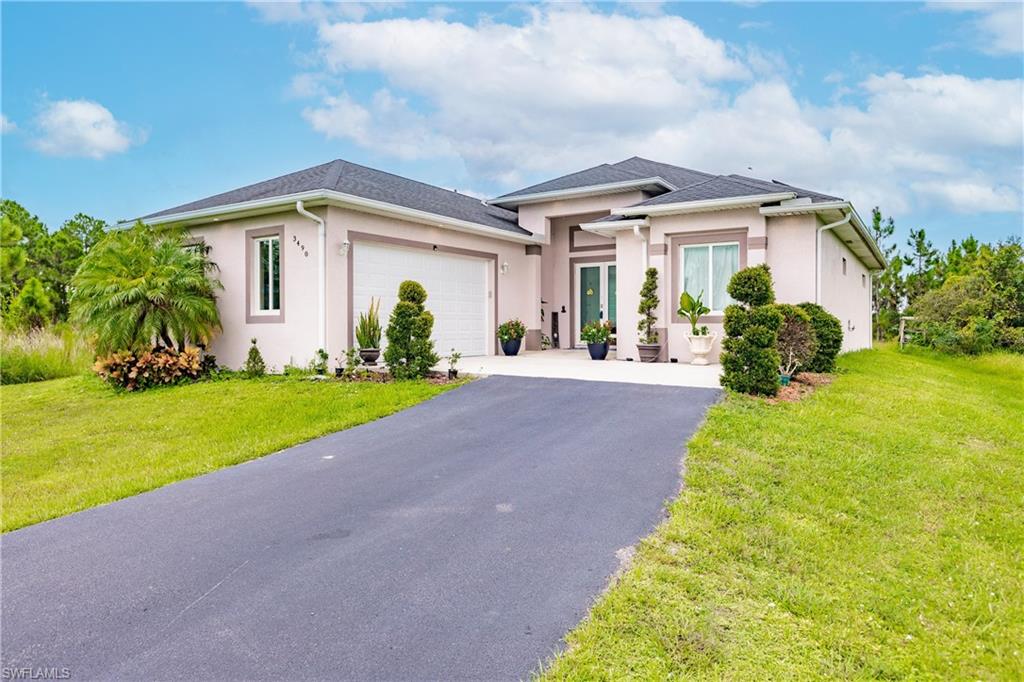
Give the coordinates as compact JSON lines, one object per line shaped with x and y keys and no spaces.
{"x":586,"y":191}
{"x":704,"y":204}
{"x":818,"y":207}
{"x":608,"y":229}
{"x":287,"y":202}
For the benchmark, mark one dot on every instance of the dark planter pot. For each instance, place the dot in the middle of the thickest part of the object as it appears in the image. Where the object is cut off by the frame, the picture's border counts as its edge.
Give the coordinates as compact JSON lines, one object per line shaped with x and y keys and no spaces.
{"x":339,"y":372}
{"x":598,"y":351}
{"x":369,"y":356}
{"x":784,"y":380}
{"x":511,"y":347}
{"x":453,"y":374}
{"x":648,"y":352}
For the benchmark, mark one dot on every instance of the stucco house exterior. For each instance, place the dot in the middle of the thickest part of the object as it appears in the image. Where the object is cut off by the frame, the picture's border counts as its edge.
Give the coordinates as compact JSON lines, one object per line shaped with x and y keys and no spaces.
{"x":301,"y":255}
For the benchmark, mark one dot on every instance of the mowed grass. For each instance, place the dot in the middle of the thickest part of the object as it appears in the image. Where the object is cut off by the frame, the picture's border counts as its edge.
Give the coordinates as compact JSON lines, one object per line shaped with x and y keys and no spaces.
{"x":69,"y":444}
{"x":875,"y":530}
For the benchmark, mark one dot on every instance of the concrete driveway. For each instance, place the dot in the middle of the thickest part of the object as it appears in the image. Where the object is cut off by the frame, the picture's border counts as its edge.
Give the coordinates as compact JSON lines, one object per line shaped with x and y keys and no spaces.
{"x":459,"y":539}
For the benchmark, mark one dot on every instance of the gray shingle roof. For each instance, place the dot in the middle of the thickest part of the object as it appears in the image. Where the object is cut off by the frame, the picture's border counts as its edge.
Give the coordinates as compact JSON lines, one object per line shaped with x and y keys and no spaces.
{"x":634,"y":168}
{"x":715,"y":187}
{"x":776,"y":186}
{"x":367,"y":183}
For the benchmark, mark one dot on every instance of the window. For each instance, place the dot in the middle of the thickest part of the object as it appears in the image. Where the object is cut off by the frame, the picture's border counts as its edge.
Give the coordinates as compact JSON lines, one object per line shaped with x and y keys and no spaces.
{"x":268,"y":274}
{"x":708,"y":268}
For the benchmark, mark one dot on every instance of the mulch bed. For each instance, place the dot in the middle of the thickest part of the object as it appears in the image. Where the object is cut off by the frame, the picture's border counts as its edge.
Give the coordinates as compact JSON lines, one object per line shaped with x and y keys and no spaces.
{"x":800,"y":386}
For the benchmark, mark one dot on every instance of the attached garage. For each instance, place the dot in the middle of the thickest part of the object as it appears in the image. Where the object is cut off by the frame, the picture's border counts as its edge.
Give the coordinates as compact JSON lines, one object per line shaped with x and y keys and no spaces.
{"x":458,"y":291}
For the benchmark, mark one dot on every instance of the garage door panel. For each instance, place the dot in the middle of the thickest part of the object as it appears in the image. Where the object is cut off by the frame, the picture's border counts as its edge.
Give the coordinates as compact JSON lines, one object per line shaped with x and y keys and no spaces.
{"x":457,"y":291}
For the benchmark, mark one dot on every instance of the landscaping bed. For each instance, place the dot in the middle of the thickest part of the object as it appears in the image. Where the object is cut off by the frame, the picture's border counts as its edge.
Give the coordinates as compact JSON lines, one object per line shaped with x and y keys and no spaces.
{"x":70,"y":444}
{"x":874,"y":529}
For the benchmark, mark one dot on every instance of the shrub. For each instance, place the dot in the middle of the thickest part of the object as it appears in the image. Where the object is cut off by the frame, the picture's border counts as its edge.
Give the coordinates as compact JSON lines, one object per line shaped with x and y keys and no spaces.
{"x":318,"y":365}
{"x":31,"y":308}
{"x":42,"y":354}
{"x":410,"y":352}
{"x":596,"y":332}
{"x":648,"y":305}
{"x":131,"y":371}
{"x":796,"y":342}
{"x":254,"y":365}
{"x":828,"y":332}
{"x":368,"y":329}
{"x":752,"y":286}
{"x":510,"y":330}
{"x":352,"y":363}
{"x":750,"y":361}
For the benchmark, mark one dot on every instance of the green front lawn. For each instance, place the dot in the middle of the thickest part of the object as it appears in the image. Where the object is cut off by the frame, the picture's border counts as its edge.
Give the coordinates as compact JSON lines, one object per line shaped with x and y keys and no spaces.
{"x":69,"y":444}
{"x":875,"y":530}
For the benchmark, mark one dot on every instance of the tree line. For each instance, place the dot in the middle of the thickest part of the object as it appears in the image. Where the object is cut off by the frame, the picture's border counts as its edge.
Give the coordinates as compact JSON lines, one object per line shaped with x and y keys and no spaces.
{"x":969,"y":298}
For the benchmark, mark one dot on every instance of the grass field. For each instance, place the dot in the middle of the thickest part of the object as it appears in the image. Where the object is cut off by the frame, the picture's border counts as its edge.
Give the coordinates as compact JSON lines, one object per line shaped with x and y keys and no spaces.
{"x":69,"y":444}
{"x":875,"y":530}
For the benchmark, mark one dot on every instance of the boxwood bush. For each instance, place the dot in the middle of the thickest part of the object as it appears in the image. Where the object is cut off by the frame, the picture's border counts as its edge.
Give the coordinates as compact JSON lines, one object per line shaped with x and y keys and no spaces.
{"x":828,"y":331}
{"x":410,"y":352}
{"x":750,"y":361}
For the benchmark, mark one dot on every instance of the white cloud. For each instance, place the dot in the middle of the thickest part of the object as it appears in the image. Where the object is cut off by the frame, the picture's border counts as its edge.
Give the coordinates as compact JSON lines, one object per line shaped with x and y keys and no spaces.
{"x":82,"y":128}
{"x":755,"y":25}
{"x":7,"y":125}
{"x":997,"y":27}
{"x":518,"y":101}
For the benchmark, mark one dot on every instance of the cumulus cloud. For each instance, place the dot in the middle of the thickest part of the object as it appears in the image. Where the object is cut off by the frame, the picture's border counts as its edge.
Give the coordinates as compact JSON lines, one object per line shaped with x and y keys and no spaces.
{"x":997,"y":28}
{"x":7,"y":125}
{"x":518,"y":101}
{"x":82,"y":128}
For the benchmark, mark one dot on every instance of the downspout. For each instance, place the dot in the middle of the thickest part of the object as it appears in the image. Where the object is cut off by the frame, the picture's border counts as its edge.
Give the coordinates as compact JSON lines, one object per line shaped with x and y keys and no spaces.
{"x":321,"y":273}
{"x":817,"y":253}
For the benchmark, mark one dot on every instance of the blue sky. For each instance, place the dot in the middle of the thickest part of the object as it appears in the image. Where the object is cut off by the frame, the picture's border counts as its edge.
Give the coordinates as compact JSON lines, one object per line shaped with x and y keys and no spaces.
{"x":119,"y":109}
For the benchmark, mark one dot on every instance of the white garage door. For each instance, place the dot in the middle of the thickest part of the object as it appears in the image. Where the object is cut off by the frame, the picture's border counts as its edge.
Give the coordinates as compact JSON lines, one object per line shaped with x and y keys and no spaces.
{"x":457,"y":292}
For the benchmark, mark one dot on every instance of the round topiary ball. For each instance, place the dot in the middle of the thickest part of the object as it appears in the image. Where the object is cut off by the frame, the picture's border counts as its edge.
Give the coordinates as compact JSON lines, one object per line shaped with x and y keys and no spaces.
{"x":411,"y":291}
{"x":752,"y":286}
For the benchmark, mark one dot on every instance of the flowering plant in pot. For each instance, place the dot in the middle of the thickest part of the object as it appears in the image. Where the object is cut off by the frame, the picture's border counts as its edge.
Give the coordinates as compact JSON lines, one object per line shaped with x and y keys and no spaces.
{"x":701,"y":340}
{"x":596,"y":335}
{"x":648,"y":349}
{"x":511,"y":334}
{"x":368,"y":333}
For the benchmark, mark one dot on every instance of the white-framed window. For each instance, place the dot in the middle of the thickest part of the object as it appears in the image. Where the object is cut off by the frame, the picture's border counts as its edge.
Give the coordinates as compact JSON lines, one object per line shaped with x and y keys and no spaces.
{"x":708,"y":268}
{"x":267,"y":270}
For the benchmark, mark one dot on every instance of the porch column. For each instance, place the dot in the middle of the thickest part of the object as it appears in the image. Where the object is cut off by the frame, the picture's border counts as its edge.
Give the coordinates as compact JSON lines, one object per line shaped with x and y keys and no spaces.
{"x":533,"y":286}
{"x":658,"y":257}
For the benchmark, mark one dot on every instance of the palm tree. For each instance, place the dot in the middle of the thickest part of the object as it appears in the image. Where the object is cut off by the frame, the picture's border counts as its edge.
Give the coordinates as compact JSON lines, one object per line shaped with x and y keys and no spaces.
{"x":139,"y":288}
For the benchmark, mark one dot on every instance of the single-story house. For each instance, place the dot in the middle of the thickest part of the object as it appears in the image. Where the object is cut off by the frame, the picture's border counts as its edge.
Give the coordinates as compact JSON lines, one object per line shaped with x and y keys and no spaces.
{"x":301,"y":255}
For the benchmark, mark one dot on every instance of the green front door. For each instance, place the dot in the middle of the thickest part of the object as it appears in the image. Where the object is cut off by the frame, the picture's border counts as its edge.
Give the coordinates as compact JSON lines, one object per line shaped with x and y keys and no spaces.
{"x":595,"y":295}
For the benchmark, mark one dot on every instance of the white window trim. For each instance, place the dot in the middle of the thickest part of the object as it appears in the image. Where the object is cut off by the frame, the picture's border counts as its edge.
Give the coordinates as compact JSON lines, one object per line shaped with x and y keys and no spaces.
{"x":256,"y":285}
{"x":682,"y":269}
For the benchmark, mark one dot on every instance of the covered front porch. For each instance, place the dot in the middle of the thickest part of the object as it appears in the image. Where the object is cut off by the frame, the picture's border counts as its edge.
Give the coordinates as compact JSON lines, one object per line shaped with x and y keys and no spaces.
{"x":576,"y":364}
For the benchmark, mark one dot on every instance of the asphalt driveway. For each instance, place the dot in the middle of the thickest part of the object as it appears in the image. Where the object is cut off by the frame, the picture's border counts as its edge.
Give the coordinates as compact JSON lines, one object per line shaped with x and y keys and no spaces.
{"x":459,"y":539}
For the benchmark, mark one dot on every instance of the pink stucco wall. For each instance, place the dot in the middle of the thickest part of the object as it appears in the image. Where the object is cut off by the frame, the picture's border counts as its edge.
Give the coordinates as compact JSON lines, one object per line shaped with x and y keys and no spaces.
{"x":294,"y":340}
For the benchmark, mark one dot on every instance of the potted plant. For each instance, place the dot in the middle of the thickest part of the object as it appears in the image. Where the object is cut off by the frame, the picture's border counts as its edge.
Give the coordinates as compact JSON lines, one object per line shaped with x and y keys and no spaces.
{"x":511,"y":335}
{"x":596,"y":335}
{"x":319,"y":363}
{"x":648,"y":349}
{"x":701,"y":340}
{"x":368,"y":334}
{"x":453,"y":360}
{"x":339,"y":367}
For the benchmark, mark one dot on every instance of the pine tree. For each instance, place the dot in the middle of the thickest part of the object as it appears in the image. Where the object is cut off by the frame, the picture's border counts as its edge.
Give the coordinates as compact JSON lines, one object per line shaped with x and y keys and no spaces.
{"x":32,"y":307}
{"x":924,"y":259}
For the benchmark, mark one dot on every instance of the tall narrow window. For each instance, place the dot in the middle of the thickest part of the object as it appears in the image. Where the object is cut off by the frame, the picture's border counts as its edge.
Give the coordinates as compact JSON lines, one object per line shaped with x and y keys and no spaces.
{"x":268,"y":277}
{"x":707,"y":269}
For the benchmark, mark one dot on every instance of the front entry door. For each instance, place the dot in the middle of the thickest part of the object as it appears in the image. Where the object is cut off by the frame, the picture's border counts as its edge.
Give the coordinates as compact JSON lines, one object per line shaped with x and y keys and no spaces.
{"x":594,"y":296}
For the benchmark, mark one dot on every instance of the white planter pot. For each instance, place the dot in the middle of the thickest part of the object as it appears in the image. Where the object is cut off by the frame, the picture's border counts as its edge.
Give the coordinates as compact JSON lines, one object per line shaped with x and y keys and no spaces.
{"x":700,"y":348}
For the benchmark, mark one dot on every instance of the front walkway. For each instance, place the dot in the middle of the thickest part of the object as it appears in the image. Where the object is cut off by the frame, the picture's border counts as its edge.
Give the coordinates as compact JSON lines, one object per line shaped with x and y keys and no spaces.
{"x":576,"y":364}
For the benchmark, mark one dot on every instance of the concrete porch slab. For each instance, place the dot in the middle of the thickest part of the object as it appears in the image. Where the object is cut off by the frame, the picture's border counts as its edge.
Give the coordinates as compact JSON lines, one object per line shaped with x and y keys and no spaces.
{"x":576,"y":364}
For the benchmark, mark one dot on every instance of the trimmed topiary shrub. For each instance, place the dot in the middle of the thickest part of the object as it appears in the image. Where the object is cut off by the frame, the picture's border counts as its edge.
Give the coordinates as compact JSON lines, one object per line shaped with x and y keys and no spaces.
{"x":750,"y":361}
{"x":752,"y":286}
{"x":796,"y":343}
{"x":254,"y":365}
{"x":828,"y":332}
{"x":410,"y":352}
